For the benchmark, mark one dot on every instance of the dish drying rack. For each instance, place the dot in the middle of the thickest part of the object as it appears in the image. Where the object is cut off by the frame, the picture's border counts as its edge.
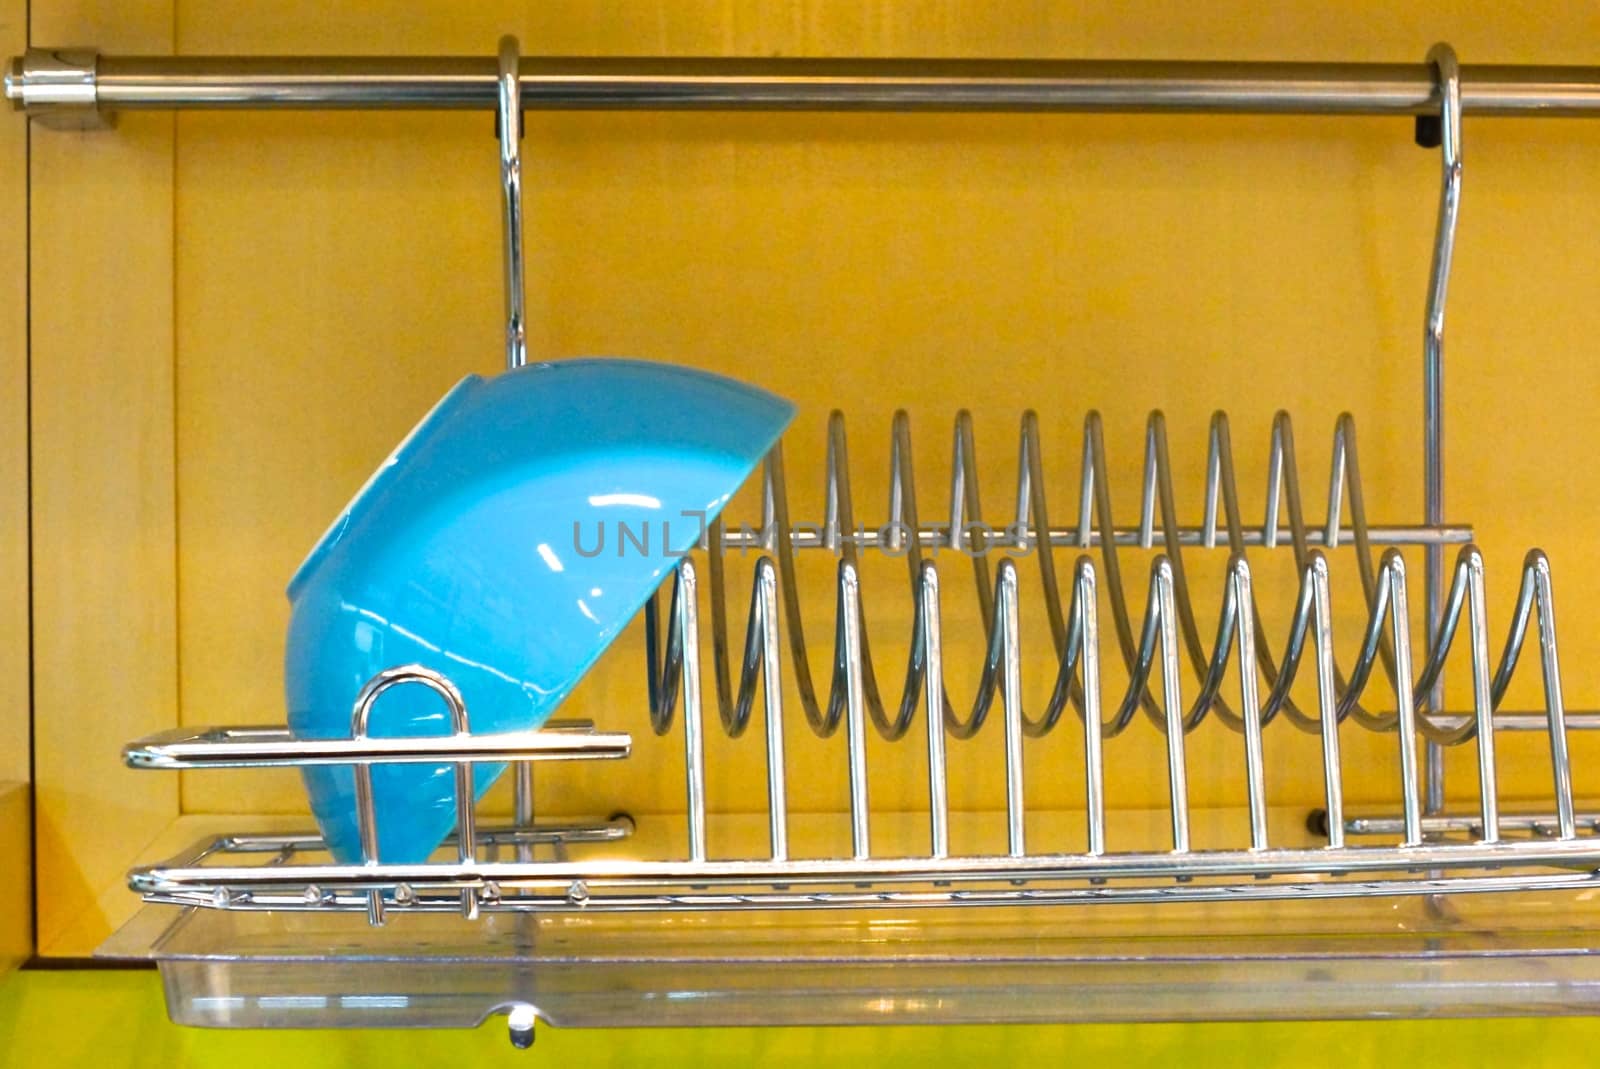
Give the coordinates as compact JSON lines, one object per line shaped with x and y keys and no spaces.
{"x":537,"y":941}
{"x":220,"y":874}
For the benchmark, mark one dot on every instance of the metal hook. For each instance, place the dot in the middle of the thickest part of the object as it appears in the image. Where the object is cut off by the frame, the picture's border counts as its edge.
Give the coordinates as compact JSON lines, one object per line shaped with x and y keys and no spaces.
{"x":509,"y":129}
{"x":1448,"y":72}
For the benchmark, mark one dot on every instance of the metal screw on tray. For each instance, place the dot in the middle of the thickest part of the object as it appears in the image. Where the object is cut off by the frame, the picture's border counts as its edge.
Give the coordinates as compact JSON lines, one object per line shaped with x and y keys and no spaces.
{"x":520,"y":1020}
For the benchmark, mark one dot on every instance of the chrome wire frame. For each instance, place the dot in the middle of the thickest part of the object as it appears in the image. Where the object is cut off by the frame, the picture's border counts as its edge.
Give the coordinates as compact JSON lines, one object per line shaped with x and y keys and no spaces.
{"x":1485,"y":851}
{"x":1442,"y":58}
{"x":1423,"y":854}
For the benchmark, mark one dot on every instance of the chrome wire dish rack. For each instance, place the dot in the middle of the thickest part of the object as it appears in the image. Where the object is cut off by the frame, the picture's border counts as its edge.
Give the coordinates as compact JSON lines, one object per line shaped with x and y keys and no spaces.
{"x":1484,"y":850}
{"x":524,"y":918}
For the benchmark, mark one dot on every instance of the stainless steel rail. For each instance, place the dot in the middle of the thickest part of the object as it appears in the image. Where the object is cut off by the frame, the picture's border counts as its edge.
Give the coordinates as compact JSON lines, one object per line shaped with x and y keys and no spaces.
{"x":43,"y":79}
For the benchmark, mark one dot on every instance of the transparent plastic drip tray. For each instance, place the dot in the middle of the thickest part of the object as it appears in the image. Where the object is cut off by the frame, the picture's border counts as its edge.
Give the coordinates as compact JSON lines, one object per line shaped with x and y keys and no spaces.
{"x":1461,"y":955}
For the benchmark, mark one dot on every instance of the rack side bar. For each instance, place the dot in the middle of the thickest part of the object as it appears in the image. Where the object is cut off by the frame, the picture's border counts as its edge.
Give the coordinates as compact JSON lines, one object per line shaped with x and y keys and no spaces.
{"x":46,"y":79}
{"x":275,"y":747}
{"x":607,"y":875}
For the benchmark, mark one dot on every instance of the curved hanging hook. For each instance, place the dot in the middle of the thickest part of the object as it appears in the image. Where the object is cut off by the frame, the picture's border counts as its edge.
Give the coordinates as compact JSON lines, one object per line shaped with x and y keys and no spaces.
{"x":508,"y":127}
{"x":1448,"y":73}
{"x":508,"y":130}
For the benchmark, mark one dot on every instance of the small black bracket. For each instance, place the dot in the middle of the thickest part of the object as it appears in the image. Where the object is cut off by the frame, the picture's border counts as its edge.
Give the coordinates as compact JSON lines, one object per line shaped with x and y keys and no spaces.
{"x":1430,"y":131}
{"x":1317,"y":823}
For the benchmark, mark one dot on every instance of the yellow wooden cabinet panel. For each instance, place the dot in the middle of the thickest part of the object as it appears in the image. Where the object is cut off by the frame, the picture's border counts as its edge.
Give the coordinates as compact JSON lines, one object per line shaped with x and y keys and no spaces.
{"x":16,"y":874}
{"x":237,"y":315}
{"x":105,"y":658}
{"x":13,"y":426}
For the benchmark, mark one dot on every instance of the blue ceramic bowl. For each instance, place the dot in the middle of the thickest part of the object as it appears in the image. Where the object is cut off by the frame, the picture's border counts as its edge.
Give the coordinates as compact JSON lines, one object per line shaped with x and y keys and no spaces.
{"x":506,"y":541}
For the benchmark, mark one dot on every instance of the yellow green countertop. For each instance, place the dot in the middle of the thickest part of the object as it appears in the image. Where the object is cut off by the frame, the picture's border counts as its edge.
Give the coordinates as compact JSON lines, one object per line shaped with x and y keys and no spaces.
{"x":112,"y":1018}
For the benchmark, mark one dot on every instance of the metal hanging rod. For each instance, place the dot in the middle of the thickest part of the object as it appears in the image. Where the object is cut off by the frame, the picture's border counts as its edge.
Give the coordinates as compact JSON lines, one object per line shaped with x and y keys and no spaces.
{"x":43,"y":80}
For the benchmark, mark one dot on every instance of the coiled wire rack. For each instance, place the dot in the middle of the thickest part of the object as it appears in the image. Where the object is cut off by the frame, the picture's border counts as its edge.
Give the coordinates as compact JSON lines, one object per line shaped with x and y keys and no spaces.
{"x":1483,"y":851}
